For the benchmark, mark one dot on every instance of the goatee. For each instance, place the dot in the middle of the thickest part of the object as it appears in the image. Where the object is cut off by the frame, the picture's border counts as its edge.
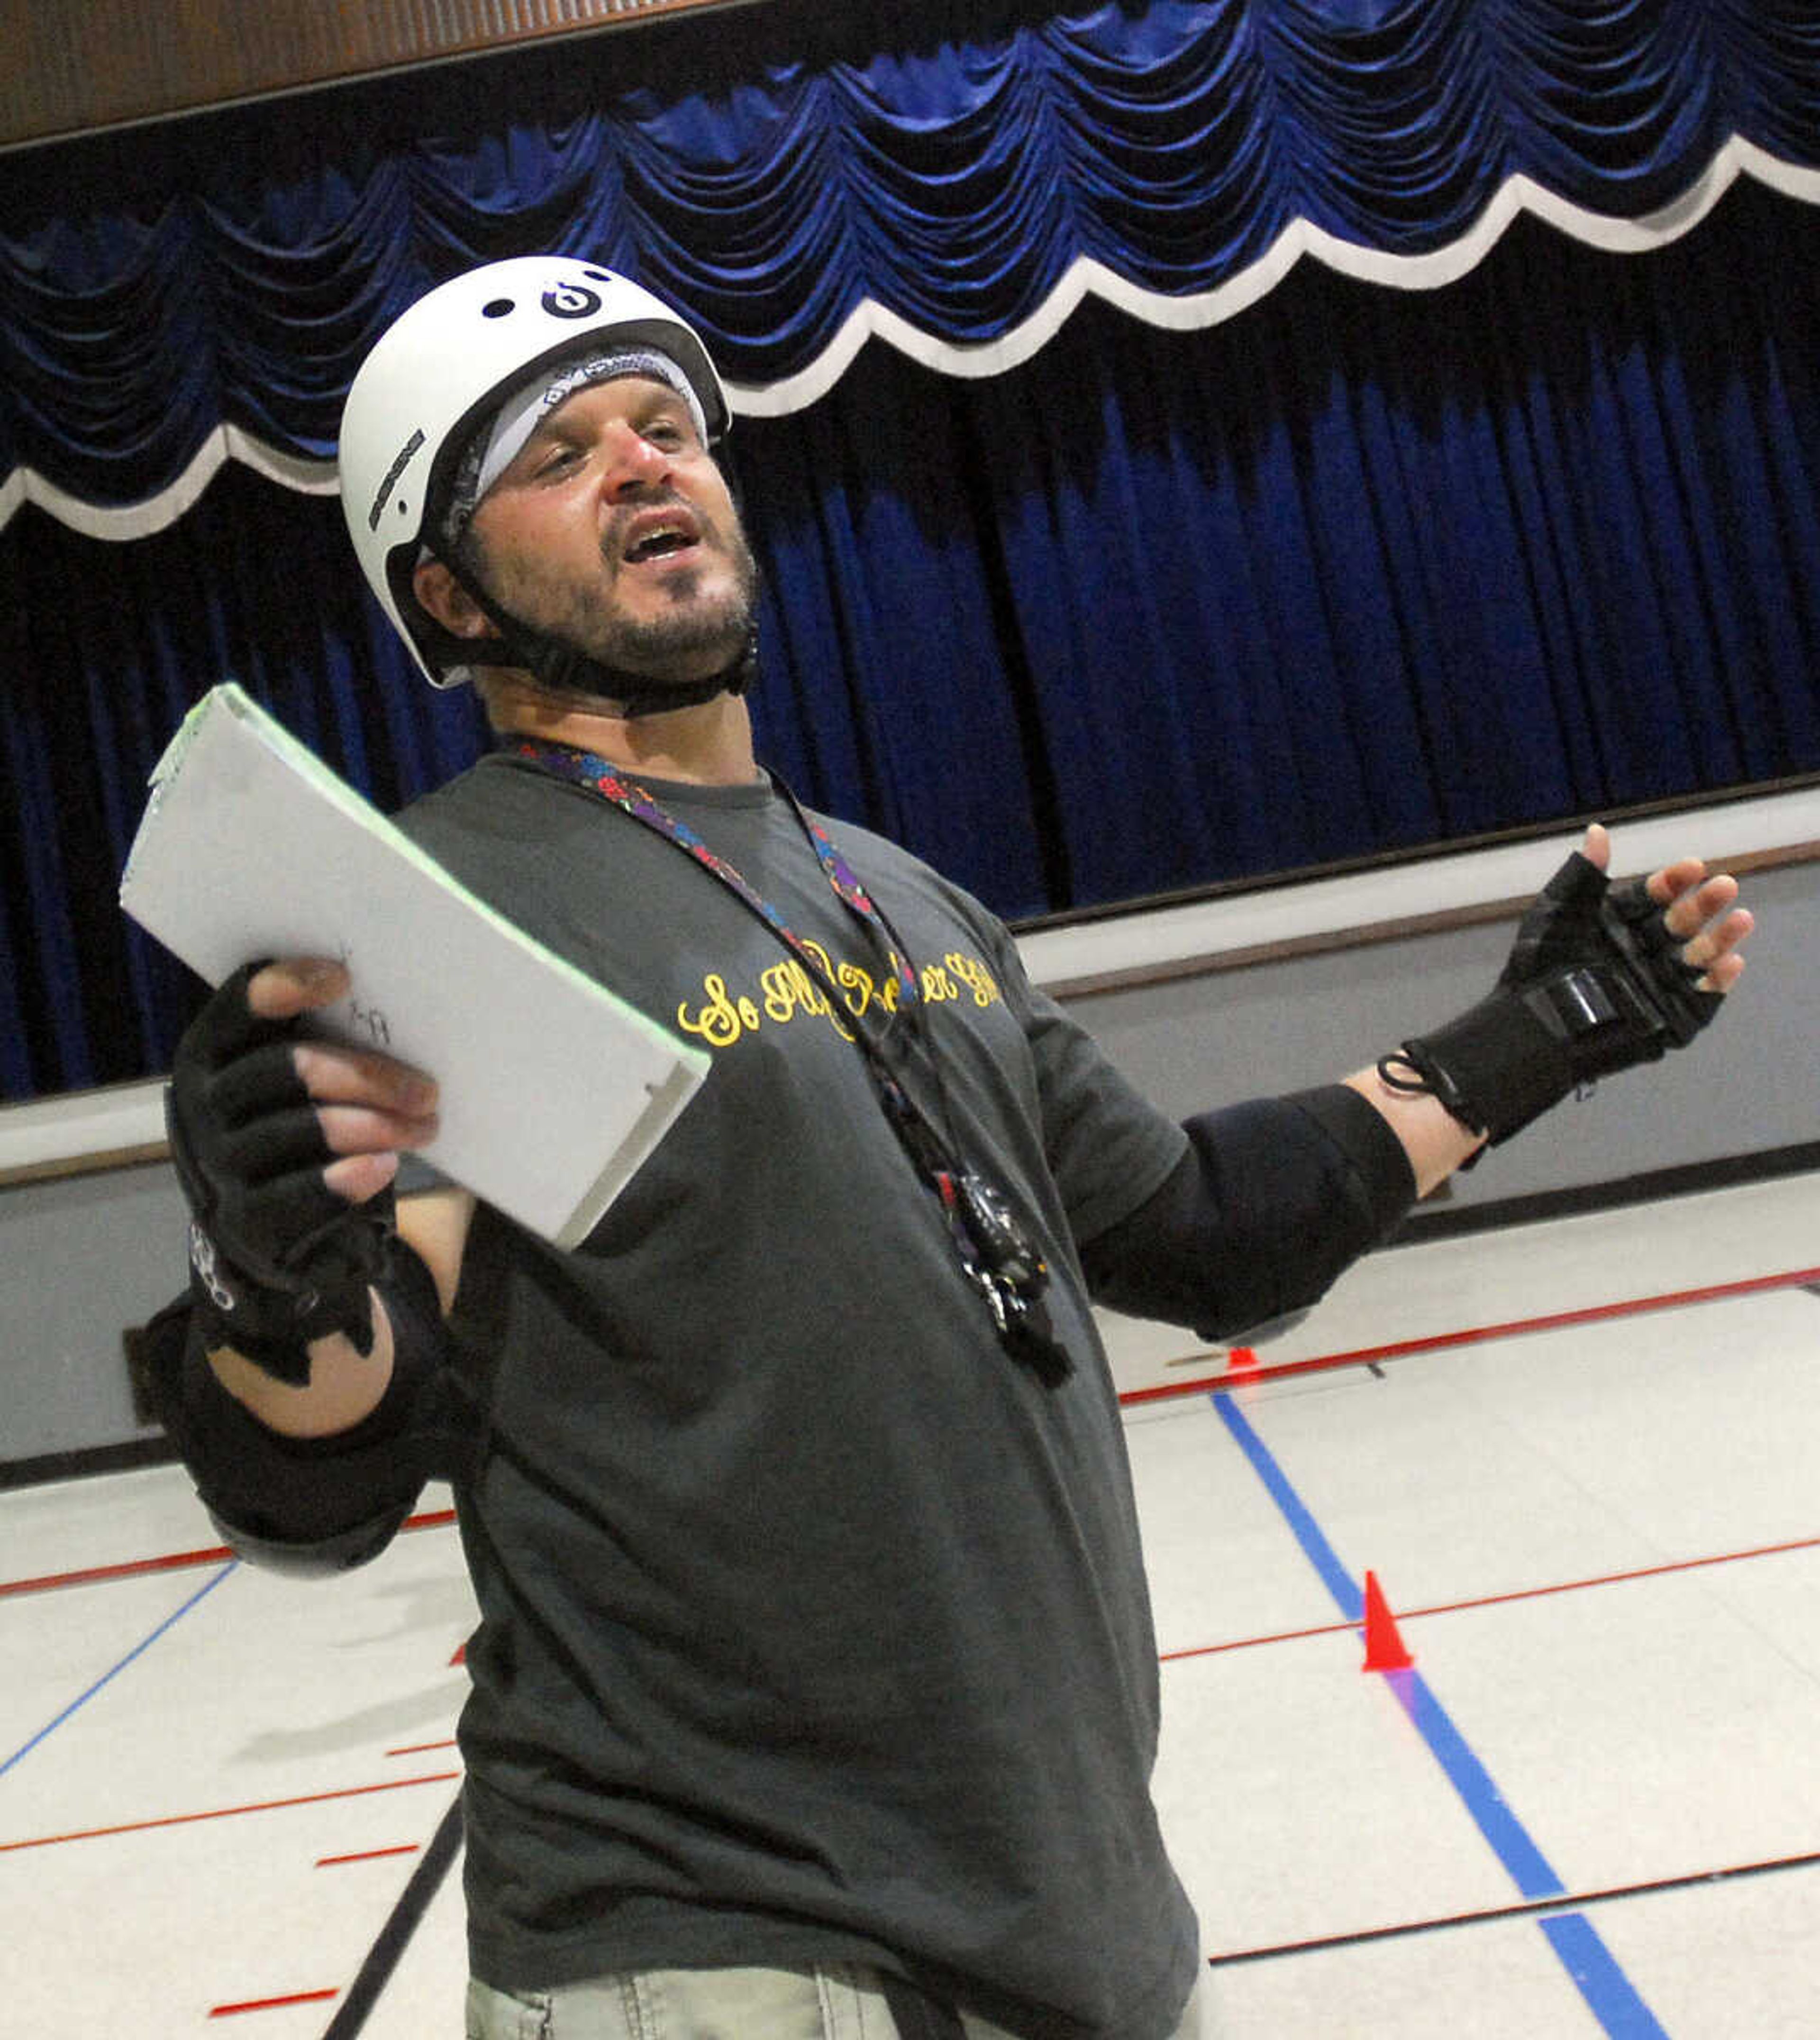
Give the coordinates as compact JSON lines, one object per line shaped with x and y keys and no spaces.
{"x":670,"y":650}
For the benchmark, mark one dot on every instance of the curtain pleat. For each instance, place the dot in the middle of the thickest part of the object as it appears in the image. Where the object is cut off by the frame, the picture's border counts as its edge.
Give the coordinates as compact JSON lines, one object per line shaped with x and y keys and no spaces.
{"x":1362,"y":569}
{"x":953,"y":188}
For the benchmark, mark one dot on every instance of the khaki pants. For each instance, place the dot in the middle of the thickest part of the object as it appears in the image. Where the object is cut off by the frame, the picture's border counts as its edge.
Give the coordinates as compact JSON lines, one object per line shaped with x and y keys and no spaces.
{"x":841,"y":2001}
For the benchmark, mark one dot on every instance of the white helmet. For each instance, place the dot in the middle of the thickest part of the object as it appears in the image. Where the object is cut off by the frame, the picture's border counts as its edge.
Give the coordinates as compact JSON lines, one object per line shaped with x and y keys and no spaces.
{"x":439,"y":369}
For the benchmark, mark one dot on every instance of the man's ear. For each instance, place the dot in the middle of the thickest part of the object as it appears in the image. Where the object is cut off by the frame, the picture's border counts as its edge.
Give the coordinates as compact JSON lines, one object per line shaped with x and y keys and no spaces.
{"x":448,"y":602}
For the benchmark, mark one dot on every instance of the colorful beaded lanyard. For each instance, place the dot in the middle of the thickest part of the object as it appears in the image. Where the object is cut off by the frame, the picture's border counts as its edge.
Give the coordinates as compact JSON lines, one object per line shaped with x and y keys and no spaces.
{"x":587,"y":769}
{"x":986,"y":1238}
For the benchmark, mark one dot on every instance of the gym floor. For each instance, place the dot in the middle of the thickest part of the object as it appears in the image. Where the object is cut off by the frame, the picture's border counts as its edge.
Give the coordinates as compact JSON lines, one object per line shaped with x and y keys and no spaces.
{"x":1575,"y":1458}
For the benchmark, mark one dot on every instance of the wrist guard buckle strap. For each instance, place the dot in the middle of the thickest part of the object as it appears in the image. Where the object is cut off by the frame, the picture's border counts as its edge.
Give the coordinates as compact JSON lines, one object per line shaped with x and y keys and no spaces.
{"x":272,"y":1328}
{"x":1595,"y":983}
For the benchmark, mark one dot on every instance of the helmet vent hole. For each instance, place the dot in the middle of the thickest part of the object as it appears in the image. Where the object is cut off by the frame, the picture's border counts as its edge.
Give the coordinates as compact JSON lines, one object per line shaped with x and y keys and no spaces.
{"x":496,"y":309}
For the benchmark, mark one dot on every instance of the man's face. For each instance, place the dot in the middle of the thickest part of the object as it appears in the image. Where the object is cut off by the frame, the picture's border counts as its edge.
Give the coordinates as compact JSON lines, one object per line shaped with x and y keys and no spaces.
{"x":613,"y":530}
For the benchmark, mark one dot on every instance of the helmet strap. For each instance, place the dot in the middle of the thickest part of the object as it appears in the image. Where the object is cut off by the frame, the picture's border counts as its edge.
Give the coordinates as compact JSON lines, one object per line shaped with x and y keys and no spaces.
{"x":565,"y":669}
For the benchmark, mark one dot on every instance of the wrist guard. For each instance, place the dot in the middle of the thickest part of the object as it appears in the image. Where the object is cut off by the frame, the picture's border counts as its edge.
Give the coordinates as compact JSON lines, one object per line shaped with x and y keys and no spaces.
{"x":315,"y":1506}
{"x":1595,"y":983}
{"x":277,"y":1259}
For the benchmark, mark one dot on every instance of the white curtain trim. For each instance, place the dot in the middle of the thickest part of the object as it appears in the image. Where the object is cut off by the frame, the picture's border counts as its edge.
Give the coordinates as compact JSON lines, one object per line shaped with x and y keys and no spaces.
{"x":1084,"y":279}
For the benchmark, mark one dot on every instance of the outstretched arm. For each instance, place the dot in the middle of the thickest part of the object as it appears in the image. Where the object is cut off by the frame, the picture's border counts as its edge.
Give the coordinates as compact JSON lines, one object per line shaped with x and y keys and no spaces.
{"x":1277,"y":1196}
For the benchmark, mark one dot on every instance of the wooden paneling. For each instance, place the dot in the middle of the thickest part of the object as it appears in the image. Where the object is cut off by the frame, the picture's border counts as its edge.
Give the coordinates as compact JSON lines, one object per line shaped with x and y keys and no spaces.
{"x":72,"y":66}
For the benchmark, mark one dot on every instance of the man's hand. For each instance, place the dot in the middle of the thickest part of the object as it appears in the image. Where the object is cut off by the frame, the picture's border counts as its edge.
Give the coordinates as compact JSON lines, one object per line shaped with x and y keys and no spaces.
{"x":1602,"y":977}
{"x":1700,"y":912}
{"x":286,"y":1149}
{"x":368,"y":1107}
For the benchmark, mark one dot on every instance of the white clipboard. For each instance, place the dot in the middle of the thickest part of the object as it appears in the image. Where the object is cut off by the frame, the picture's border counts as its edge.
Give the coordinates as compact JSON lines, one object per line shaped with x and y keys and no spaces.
{"x":250,"y":846}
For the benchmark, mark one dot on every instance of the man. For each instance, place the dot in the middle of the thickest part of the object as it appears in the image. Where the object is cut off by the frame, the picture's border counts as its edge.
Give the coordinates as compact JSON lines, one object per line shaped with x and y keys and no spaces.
{"x":814,"y":1691}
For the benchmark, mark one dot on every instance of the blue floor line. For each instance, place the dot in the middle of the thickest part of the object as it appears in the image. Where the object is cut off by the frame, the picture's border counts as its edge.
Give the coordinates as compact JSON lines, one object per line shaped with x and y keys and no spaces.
{"x":1308,"y":1534}
{"x":138,"y":1651}
{"x":1610,"y":1994}
{"x":1531,"y":1871}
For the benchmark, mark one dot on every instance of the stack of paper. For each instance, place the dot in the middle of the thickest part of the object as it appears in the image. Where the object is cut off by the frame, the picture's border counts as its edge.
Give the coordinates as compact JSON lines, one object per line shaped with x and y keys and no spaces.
{"x":250,"y":847}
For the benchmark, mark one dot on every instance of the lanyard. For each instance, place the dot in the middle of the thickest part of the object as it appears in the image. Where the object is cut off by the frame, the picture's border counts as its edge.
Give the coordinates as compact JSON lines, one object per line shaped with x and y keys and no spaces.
{"x":585,"y":768}
{"x":993,"y":1247}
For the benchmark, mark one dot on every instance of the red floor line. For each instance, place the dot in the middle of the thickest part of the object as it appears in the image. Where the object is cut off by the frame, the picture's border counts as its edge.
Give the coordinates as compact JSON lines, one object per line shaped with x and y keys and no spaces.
{"x":1592,"y":1314}
{"x":273,"y":2003}
{"x":1359,"y":1357}
{"x":227,"y":1813}
{"x":419,"y":1748}
{"x":1201,"y":1385}
{"x":367,"y":1855}
{"x":1256,"y":1642}
{"x":1495,"y":1600}
{"x":1567,"y":1901}
{"x":433,"y":1519}
{"x":130,"y":1569}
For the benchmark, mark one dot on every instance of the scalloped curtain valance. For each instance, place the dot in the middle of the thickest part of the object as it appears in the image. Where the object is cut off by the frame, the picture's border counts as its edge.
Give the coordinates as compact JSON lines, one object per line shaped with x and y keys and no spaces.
{"x":1176,"y":159}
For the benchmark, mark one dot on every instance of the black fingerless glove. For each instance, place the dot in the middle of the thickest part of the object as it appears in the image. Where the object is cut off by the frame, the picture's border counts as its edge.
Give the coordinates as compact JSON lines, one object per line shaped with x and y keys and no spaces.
{"x":276,"y":1258}
{"x":1595,"y":983}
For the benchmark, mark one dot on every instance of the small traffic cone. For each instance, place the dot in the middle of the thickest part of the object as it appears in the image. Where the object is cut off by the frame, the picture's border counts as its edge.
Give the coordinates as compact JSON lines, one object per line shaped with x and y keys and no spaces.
{"x":1384,"y":1648}
{"x":1241,"y":1358}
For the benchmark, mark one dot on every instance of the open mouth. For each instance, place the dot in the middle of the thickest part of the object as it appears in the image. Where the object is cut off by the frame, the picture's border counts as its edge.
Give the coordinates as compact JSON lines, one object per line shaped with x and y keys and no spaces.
{"x":659,"y":539}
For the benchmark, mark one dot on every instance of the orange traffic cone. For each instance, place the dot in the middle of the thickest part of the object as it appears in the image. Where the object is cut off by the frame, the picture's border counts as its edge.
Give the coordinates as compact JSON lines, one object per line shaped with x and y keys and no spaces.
{"x":1384,"y":1648}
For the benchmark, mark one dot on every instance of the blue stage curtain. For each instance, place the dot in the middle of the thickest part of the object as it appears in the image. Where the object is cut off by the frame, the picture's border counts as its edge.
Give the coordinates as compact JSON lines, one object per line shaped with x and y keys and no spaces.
{"x":1359,"y":570}
{"x":104,"y":647}
{"x":156,"y":286}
